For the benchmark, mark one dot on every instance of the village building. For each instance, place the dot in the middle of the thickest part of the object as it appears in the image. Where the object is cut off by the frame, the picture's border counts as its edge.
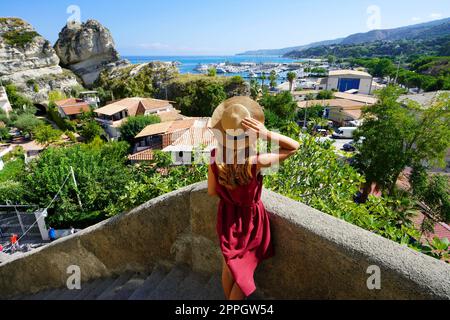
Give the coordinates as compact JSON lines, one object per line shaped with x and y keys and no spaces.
{"x":342,"y":112}
{"x":5,"y":105}
{"x":112,"y":116}
{"x":198,"y":141}
{"x":181,"y":138}
{"x":90,"y":97}
{"x":349,"y":80}
{"x":158,"y":136}
{"x":72,"y":108}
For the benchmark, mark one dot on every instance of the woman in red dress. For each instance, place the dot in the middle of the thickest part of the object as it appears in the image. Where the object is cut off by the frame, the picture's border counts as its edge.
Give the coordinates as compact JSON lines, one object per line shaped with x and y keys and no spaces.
{"x":243,"y":224}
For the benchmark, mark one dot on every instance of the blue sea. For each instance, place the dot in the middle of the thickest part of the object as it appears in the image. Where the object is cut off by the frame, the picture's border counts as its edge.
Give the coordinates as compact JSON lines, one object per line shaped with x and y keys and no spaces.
{"x":189,"y":63}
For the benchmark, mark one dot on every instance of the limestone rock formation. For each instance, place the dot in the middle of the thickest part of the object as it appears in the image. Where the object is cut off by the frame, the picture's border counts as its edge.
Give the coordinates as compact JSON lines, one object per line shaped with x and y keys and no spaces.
{"x":87,"y":49}
{"x":28,"y":61}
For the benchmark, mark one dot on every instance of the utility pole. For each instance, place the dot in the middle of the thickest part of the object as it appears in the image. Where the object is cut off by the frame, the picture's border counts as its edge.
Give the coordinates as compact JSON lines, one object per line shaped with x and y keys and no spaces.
{"x":305,"y":127}
{"x":19,"y":218}
{"x":76,"y":187}
{"x":398,"y":68}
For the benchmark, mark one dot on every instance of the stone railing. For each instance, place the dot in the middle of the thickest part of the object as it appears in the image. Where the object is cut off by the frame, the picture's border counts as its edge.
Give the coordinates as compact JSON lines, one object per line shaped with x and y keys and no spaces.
{"x":317,"y":256}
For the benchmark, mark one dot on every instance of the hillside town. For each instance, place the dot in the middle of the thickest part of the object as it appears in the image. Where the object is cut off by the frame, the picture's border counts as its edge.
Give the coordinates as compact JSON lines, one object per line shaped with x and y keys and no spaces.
{"x":87,"y":137}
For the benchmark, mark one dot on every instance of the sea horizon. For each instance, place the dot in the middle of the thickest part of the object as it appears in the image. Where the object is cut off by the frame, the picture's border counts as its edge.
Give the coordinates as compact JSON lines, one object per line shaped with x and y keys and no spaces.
{"x":188,"y":63}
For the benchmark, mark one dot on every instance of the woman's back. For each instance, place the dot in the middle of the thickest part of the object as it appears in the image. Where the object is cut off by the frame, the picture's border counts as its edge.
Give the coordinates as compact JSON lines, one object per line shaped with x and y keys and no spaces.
{"x":241,"y":195}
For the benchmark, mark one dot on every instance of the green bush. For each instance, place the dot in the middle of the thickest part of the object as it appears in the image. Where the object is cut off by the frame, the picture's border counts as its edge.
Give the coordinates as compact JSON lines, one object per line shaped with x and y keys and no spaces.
{"x":134,"y":125}
{"x":325,"y":95}
{"x":19,"y":103}
{"x":19,"y":38}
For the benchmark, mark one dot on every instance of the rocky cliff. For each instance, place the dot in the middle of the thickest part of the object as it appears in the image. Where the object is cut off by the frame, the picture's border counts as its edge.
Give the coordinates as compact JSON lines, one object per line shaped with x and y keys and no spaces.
{"x":28,"y":61}
{"x":87,"y":49}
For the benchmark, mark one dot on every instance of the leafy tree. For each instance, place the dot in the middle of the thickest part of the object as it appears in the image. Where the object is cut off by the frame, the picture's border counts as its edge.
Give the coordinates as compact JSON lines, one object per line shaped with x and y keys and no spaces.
{"x":325,"y":95}
{"x":19,"y":103}
{"x":291,"y":76}
{"x":4,"y":133}
{"x":91,"y":130}
{"x":27,"y":123}
{"x":282,"y":105}
{"x":134,"y":125}
{"x":399,"y":135}
{"x":432,"y":191}
{"x":56,"y":96}
{"x":212,"y":72}
{"x":101,"y":173}
{"x":331,"y":59}
{"x":201,"y":98}
{"x":45,"y":134}
{"x":315,"y":176}
{"x":312,"y":112}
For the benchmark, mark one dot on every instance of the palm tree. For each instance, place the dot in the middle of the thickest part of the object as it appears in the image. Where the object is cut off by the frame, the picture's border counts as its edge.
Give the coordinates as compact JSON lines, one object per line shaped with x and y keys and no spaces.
{"x":254,"y":89}
{"x":273,"y":79}
{"x":263,"y":79}
{"x":291,"y":76}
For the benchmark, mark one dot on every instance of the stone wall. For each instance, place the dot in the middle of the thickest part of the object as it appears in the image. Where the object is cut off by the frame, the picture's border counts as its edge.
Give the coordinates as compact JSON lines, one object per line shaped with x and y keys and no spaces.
{"x":317,"y":256}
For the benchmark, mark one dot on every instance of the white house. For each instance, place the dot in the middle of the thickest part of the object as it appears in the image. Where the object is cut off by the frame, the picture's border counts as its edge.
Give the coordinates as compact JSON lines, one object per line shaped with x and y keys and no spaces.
{"x":4,"y":101}
{"x":4,"y":150}
{"x":113,"y":115}
{"x":350,"y":80}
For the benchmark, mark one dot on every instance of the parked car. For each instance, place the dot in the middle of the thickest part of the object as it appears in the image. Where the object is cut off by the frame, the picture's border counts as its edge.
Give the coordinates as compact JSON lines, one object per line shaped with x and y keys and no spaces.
{"x":349,"y":147}
{"x":322,"y":132}
{"x":344,"y":133}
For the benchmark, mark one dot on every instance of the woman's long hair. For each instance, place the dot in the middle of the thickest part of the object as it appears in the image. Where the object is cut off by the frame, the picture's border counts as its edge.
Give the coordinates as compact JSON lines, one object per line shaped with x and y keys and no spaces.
{"x":233,"y":175}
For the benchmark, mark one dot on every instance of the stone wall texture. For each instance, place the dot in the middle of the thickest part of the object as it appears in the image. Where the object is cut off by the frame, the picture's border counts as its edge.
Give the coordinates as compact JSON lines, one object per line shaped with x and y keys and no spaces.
{"x":317,"y":256}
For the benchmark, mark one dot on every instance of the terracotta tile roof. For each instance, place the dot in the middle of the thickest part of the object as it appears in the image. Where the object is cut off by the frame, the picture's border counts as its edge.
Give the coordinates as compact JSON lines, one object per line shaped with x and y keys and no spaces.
{"x":154,"y":129}
{"x":151,"y":104}
{"x":69,"y":101}
{"x":354,"y":114}
{"x":441,"y":229}
{"x":194,"y":138}
{"x":166,"y":127}
{"x":146,"y":155}
{"x":170,"y":116}
{"x":356,"y":97}
{"x":79,"y":108}
{"x":132,"y":105}
{"x":341,"y":103}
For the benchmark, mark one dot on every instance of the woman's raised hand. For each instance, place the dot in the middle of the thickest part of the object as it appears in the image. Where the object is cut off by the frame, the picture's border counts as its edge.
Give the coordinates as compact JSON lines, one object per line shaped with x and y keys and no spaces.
{"x":255,"y":126}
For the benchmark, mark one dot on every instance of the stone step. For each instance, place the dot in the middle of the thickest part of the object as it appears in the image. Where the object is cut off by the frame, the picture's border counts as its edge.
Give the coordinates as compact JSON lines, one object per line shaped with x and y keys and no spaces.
{"x":110,"y":292}
{"x":99,"y":289}
{"x":38,"y":296}
{"x":87,"y":289}
{"x":54,"y":294}
{"x":192,"y":287}
{"x":213,"y":289}
{"x":178,"y":283}
{"x":129,"y":288}
{"x":152,"y":281}
{"x":167,"y":288}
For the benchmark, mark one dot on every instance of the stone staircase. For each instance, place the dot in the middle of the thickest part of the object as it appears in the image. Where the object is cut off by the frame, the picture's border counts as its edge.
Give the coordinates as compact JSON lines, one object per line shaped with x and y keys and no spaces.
{"x":177,"y":283}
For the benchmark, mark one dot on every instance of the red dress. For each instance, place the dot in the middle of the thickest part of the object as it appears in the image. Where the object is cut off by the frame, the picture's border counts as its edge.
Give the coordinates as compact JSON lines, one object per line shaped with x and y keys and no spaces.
{"x":243,"y":227}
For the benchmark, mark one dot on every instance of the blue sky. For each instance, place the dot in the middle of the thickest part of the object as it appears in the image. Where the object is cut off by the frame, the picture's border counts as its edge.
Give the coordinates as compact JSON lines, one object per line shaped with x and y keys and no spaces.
{"x":215,"y":27}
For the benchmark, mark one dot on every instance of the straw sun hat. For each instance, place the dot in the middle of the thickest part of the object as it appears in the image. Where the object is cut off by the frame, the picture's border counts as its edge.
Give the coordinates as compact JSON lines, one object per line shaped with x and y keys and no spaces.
{"x":226,"y":121}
